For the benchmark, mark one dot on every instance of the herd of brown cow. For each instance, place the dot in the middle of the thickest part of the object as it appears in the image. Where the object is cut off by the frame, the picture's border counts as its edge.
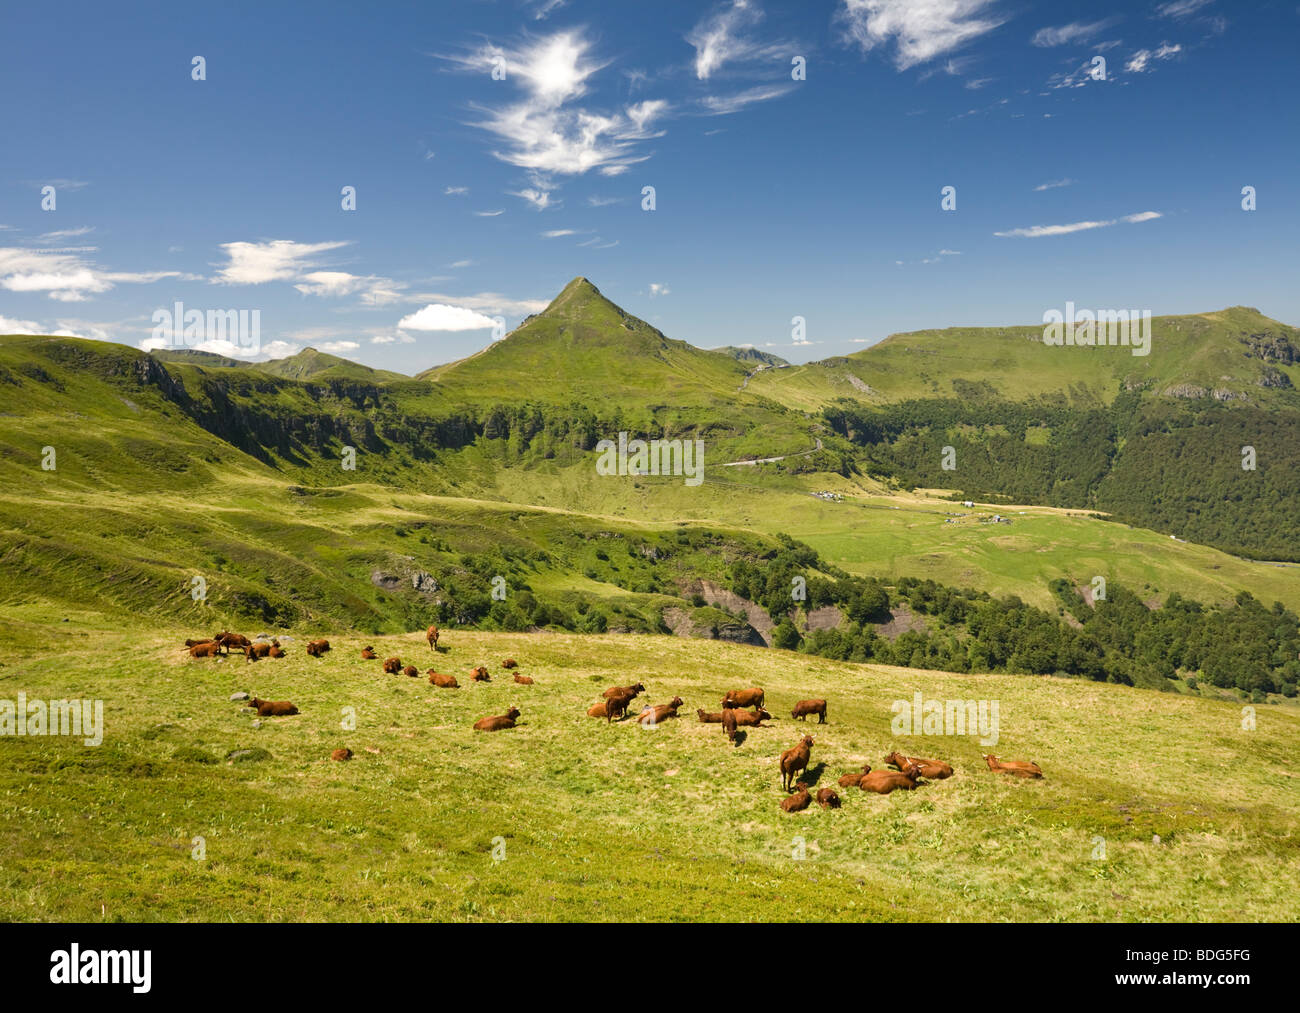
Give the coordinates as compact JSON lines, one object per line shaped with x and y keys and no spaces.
{"x":909,"y":772}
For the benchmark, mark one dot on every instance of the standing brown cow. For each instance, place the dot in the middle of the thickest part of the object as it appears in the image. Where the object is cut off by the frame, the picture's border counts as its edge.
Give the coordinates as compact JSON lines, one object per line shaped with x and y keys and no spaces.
{"x":432,"y":636}
{"x":805,"y":707}
{"x":794,"y":760}
{"x":743,"y":698}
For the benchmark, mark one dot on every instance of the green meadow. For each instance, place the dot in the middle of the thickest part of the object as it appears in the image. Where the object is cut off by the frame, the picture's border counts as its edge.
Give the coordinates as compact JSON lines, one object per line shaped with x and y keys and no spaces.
{"x":1154,"y":806}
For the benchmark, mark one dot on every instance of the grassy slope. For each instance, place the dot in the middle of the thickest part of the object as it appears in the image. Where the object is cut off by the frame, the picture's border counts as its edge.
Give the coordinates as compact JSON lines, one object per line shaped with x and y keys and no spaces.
{"x":1200,"y":349}
{"x":618,"y":822}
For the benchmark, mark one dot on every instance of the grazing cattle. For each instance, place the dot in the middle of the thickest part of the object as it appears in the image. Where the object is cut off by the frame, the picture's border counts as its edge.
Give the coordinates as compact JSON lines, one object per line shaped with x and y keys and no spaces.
{"x":882,"y":782}
{"x":480,"y":674}
{"x":272,"y":708}
{"x":1016,"y":768}
{"x":412,"y":671}
{"x":853,"y":780}
{"x":795,"y":759}
{"x":276,"y":651}
{"x":431,"y":635}
{"x":523,"y":680}
{"x":710,"y":717}
{"x":934,"y":770}
{"x":392,"y":665}
{"x":341,"y":754}
{"x":209,"y":650}
{"x":799,"y":800}
{"x":506,"y":720}
{"x":805,"y":707}
{"x":368,"y":654}
{"x":750,"y":719}
{"x":228,"y":640}
{"x":317,"y":648}
{"x":828,"y":799}
{"x":442,"y":681}
{"x":743,"y":698}
{"x":630,"y":691}
{"x":509,"y":663}
{"x":653,"y":715}
{"x":729,"y":723}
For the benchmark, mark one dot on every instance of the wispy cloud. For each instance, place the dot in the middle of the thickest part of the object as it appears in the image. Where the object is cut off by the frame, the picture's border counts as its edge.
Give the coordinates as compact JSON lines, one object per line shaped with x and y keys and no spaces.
{"x":1053,"y":185}
{"x":656,"y":289}
{"x":1075,"y":31}
{"x":720,"y":105}
{"x":723,"y":37}
{"x":1141,"y":60}
{"x":277,"y":260}
{"x":456,"y":191}
{"x":63,"y":276}
{"x":1180,"y":9}
{"x":921,"y":29}
{"x":1038,"y":231}
{"x":489,"y":214}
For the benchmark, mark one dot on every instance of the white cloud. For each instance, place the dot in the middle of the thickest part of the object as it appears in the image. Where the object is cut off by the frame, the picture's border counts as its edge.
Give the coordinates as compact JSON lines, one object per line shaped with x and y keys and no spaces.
{"x":277,"y":260}
{"x":339,"y":347}
{"x":720,"y":38}
{"x":489,"y":214}
{"x":392,"y":339}
{"x":950,"y":253}
{"x":602,"y":202}
{"x":1076,"y":31}
{"x":54,"y":237}
{"x":1139,"y":61}
{"x":493,"y":303}
{"x":557,"y":233}
{"x":456,"y":191}
{"x":458,"y":264}
{"x":375,"y":291}
{"x":721,"y":105}
{"x":441,"y":317}
{"x":546,"y":130}
{"x":1180,"y":9}
{"x":656,"y":289}
{"x":539,"y":199}
{"x":63,"y":276}
{"x":1037,"y":231}
{"x":9,"y":325}
{"x":1053,"y":185}
{"x":544,"y":8}
{"x":922,"y":29}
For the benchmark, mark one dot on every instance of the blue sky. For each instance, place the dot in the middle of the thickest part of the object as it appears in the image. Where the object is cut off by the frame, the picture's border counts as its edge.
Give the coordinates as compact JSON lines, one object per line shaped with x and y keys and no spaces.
{"x":479,"y":197}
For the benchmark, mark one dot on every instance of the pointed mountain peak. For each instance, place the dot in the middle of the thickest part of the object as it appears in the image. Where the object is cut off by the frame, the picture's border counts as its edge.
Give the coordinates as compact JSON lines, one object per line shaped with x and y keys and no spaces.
{"x":578,"y":298}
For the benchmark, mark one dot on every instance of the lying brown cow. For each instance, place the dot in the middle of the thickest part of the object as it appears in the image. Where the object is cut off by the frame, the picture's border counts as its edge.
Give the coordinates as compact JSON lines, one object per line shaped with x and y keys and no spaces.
{"x":392,"y":665}
{"x":506,"y":720}
{"x":750,"y":719}
{"x":523,"y":680}
{"x":828,"y":799}
{"x":853,"y":780}
{"x":276,"y":651}
{"x":211,"y":649}
{"x":368,"y":654}
{"x":509,"y":663}
{"x":805,"y":707}
{"x":272,"y":708}
{"x":480,"y":674}
{"x":1016,"y":768}
{"x":653,"y":715}
{"x":442,"y":681}
{"x":341,"y":754}
{"x":882,"y":782}
{"x":710,"y":717}
{"x":260,"y":650}
{"x":317,"y":648}
{"x":743,"y":698}
{"x":795,"y":759}
{"x":934,"y":770}
{"x":412,"y":671}
{"x":799,"y":800}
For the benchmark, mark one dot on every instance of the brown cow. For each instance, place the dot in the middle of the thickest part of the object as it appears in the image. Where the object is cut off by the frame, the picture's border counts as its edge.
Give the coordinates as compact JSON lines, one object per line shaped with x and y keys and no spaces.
{"x":368,"y":654}
{"x":630,"y":691}
{"x":750,"y":719}
{"x":209,"y":650}
{"x":710,"y":717}
{"x":442,"y":681}
{"x":795,"y":759}
{"x":805,"y":707}
{"x":341,"y":754}
{"x":653,"y":715}
{"x":934,"y":770}
{"x":195,"y":643}
{"x":228,"y":640}
{"x":276,"y":651}
{"x":509,"y":663}
{"x":506,"y":720}
{"x":853,"y":780}
{"x":598,"y":710}
{"x":317,"y":648}
{"x":272,"y":708}
{"x":260,"y":650}
{"x":480,"y":674}
{"x":828,"y":799}
{"x":616,"y":706}
{"x":1016,"y":768}
{"x":729,"y":723}
{"x":799,"y":800}
{"x":412,"y":671}
{"x":882,"y":782}
{"x":392,"y":665}
{"x":431,"y":635}
{"x":523,"y":680}
{"x":743,"y":698}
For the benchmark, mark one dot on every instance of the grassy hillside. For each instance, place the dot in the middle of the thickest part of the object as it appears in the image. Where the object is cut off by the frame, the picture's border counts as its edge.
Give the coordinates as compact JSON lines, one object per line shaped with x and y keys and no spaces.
{"x":1231,"y":351}
{"x":616,"y":822}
